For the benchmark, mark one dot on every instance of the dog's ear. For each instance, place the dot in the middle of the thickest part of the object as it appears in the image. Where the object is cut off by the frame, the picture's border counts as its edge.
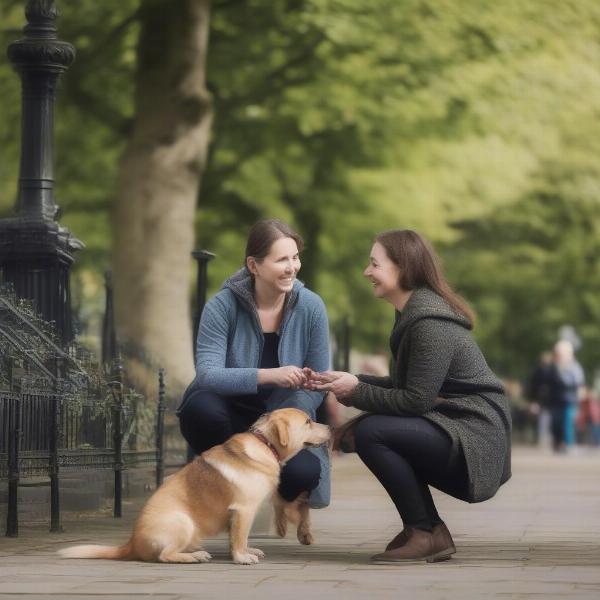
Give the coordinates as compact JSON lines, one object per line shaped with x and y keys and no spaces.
{"x":282,"y":432}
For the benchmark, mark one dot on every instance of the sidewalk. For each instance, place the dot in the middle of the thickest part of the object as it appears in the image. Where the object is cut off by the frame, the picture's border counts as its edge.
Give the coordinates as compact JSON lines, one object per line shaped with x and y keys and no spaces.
{"x":539,"y":537}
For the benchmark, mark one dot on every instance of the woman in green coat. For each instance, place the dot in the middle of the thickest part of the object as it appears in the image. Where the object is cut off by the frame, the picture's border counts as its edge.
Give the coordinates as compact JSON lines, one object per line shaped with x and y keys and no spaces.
{"x":441,"y":418}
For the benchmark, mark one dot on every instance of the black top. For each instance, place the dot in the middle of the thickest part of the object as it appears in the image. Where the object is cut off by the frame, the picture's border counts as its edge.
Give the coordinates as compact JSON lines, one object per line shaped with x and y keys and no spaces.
{"x":269,"y":359}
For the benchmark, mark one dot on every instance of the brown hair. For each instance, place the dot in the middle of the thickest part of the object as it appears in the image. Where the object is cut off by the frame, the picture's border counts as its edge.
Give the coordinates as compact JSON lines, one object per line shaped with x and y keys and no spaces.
{"x":264,"y":233}
{"x":420,"y":266}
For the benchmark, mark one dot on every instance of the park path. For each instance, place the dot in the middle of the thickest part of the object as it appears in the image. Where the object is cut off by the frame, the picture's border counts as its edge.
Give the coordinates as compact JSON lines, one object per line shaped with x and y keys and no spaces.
{"x":538,"y":538}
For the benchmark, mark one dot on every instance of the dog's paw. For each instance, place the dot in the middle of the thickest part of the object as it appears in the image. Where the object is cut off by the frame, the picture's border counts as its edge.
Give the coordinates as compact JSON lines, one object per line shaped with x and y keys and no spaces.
{"x":201,"y":556}
{"x":256,"y":551}
{"x":241,"y":558}
{"x":305,"y":537}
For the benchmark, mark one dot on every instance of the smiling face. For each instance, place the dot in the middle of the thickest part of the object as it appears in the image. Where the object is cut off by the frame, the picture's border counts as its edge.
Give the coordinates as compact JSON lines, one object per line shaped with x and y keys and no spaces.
{"x":383,"y":273}
{"x":277,"y":270}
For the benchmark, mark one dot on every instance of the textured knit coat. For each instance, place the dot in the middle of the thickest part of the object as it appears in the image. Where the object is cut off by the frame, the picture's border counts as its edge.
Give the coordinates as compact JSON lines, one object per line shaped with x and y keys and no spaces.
{"x":437,"y":357}
{"x":229,"y":348}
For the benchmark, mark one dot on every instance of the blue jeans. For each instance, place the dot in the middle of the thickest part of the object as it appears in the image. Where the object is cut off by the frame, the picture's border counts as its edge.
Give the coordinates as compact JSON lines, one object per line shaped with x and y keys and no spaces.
{"x":207,"y":419}
{"x":570,"y":416}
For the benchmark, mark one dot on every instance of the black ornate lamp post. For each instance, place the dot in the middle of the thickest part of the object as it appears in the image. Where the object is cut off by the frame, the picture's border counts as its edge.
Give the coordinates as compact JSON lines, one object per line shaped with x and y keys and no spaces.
{"x":36,"y":253}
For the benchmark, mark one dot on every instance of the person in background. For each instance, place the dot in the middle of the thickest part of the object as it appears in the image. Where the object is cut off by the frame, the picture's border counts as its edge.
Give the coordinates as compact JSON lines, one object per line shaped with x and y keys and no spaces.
{"x":588,"y":417}
{"x":523,"y":412}
{"x":565,"y":385}
{"x":538,"y":392}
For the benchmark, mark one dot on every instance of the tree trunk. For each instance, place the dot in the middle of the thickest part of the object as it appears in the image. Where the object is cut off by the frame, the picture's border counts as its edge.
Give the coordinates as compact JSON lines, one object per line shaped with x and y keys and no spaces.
{"x":157,"y":190}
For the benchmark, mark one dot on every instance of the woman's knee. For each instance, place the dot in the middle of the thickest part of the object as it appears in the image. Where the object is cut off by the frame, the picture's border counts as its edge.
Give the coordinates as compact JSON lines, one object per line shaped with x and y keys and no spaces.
{"x":204,"y":420}
{"x":201,"y":407}
{"x":366,"y":433}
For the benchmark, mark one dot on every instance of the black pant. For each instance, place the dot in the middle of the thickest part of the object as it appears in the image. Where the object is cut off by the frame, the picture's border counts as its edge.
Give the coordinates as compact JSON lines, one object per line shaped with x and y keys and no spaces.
{"x":407,"y":454}
{"x":557,"y":426}
{"x":207,"y":419}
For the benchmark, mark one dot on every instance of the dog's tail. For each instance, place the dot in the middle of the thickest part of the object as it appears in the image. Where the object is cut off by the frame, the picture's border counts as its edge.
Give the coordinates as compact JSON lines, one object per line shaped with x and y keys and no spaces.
{"x":94,"y":551}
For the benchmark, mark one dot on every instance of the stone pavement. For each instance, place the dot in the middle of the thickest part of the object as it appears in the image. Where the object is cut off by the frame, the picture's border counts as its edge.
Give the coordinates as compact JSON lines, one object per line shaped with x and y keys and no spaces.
{"x":538,"y":538}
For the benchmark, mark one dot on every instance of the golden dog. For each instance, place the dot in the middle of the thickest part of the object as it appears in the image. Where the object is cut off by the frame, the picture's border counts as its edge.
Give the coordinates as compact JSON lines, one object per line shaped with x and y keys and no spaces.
{"x":222,"y":488}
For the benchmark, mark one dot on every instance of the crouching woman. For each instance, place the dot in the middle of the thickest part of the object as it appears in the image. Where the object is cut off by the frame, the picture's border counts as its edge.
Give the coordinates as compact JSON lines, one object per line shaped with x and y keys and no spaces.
{"x":255,"y":337}
{"x":442,"y":418}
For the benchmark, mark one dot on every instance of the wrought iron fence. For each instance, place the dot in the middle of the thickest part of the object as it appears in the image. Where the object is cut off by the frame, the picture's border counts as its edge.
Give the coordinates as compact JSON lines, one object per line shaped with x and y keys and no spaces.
{"x":60,"y":412}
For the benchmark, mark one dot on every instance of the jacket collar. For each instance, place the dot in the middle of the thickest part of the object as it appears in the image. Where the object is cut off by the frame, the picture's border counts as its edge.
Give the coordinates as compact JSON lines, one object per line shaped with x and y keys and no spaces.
{"x":242,"y":286}
{"x":424,"y":303}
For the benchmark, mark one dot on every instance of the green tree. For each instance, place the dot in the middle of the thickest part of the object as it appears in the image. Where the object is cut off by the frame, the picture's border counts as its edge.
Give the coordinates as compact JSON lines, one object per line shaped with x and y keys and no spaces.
{"x":459,"y":118}
{"x":542,"y":253}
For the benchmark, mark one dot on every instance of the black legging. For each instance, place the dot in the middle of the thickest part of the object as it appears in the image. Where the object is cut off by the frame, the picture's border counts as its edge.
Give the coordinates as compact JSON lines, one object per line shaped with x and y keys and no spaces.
{"x":407,"y":454}
{"x":207,"y":419}
{"x":557,"y":426}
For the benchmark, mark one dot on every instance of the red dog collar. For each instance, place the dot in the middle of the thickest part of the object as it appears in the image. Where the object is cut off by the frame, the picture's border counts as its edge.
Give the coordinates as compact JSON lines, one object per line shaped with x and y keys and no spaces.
{"x":267,"y":443}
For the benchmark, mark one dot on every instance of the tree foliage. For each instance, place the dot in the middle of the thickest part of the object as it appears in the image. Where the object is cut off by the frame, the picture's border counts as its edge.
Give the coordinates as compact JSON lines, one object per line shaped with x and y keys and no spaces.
{"x":471,"y":121}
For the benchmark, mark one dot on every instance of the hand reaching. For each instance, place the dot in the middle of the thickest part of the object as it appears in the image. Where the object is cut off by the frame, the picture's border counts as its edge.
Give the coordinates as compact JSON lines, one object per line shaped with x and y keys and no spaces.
{"x":340,"y":383}
{"x":285,"y":377}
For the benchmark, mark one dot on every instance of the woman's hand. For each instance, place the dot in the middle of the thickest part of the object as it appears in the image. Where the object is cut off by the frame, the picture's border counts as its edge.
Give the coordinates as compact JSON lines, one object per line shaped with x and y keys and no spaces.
{"x":285,"y":377}
{"x":340,"y":383}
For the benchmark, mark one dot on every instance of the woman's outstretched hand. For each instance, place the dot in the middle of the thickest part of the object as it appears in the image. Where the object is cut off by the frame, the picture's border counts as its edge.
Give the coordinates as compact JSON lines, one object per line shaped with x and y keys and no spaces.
{"x":340,"y":383}
{"x":285,"y":377}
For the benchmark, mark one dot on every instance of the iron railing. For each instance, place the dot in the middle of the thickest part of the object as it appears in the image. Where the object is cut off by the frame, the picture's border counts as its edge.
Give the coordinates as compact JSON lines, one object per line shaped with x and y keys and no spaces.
{"x":60,"y":411}
{"x":46,"y":434}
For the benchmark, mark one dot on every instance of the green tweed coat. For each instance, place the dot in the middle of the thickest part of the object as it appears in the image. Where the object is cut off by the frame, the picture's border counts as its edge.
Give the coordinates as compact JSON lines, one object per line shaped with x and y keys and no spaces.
{"x":438,"y":358}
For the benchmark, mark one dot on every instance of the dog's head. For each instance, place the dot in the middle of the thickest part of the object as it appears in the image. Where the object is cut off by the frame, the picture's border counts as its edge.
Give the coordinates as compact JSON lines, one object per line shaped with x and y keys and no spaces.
{"x":291,"y":430}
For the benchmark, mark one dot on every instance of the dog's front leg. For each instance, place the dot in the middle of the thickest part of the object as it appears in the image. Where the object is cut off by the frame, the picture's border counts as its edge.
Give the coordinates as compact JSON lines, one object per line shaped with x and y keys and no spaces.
{"x":303,"y":532}
{"x":279,"y":505}
{"x":296,"y":512}
{"x":239,"y":528}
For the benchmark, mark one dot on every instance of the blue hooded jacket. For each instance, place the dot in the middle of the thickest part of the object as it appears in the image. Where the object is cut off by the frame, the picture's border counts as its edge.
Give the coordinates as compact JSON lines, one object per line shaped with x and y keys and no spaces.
{"x":230,"y":343}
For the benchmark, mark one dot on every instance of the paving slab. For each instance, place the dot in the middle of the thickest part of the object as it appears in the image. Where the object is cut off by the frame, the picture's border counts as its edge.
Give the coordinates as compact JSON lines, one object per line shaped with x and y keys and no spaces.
{"x":538,"y":538}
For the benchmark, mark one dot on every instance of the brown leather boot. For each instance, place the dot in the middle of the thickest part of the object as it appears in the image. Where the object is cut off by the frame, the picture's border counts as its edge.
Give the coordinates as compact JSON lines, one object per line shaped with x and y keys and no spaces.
{"x":421,"y":545}
{"x":443,"y":542}
{"x":399,"y":540}
{"x":441,"y":535}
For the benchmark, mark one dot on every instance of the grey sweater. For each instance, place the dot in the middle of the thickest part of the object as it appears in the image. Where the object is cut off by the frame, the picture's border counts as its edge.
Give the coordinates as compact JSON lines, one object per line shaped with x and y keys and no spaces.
{"x":438,"y":357}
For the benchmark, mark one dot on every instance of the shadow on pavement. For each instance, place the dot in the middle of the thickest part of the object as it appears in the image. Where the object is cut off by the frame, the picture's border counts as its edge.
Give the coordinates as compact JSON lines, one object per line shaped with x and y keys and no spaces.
{"x":539,"y":554}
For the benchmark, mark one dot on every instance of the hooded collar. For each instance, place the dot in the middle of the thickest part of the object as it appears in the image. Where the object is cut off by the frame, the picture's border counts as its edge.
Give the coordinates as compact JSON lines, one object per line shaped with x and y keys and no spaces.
{"x":242,"y":286}
{"x":424,"y":303}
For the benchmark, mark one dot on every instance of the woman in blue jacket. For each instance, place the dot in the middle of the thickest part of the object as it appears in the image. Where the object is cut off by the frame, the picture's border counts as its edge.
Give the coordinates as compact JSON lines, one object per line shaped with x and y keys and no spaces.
{"x":255,"y":337}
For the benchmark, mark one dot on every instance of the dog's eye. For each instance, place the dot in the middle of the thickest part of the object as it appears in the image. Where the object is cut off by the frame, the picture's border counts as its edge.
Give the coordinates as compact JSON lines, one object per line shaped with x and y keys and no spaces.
{"x":307,"y":422}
